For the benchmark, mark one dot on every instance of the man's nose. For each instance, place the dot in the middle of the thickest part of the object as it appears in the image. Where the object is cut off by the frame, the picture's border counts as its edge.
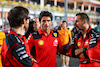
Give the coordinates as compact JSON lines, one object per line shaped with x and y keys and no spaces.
{"x":46,"y":22}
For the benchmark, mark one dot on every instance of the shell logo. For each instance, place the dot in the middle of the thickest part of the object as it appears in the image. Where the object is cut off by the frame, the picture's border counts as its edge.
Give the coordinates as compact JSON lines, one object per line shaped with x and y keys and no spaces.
{"x":79,"y":43}
{"x":41,"y":42}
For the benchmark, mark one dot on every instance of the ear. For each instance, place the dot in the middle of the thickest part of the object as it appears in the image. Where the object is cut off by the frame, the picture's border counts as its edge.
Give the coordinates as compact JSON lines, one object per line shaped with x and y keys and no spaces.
{"x":85,"y":21}
{"x":60,"y":24}
{"x":67,"y":25}
{"x":24,"y":20}
{"x":51,"y":22}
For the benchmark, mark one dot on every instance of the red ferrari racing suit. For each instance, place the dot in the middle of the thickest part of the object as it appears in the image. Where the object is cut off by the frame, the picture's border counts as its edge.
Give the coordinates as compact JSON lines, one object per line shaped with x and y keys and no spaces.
{"x":15,"y":52}
{"x":91,"y":45}
{"x":45,"y":47}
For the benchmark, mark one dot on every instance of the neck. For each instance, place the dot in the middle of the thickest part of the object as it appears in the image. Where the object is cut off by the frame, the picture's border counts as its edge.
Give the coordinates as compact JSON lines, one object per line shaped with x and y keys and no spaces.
{"x":84,"y":32}
{"x":47,"y":32}
{"x":64,"y":28}
{"x":19,"y":30}
{"x":35,"y":29}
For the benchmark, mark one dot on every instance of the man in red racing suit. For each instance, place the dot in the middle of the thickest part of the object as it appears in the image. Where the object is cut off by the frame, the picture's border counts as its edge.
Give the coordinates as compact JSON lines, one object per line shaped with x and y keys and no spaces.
{"x":88,"y":40}
{"x":15,"y":52}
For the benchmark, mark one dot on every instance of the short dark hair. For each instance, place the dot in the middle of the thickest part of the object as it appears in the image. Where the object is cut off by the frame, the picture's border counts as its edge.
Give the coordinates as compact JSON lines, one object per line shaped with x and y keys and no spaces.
{"x":83,"y":16}
{"x":45,"y":13}
{"x":98,"y":22}
{"x":64,"y":22}
{"x":16,"y":16}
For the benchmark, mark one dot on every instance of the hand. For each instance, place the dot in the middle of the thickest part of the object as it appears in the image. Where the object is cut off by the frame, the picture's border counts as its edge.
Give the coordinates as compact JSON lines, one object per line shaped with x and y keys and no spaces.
{"x":78,"y":51}
{"x":81,"y":55}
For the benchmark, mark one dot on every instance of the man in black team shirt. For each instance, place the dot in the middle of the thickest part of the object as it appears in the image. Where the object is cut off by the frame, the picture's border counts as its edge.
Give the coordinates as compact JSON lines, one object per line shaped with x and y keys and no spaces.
{"x":34,"y":25}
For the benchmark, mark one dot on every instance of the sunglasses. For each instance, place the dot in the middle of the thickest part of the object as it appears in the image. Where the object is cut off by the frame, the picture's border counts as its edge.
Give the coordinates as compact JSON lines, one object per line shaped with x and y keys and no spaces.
{"x":27,"y":18}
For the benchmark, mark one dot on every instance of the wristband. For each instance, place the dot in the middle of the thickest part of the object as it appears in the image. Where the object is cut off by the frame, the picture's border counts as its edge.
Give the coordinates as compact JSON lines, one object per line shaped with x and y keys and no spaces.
{"x":73,"y":52}
{"x":84,"y":52}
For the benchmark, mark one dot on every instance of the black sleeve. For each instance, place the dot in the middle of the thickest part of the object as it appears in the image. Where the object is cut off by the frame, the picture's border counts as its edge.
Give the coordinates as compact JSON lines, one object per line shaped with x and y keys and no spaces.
{"x":33,"y":52}
{"x":27,"y":34}
{"x":30,"y":30}
{"x":84,"y":52}
{"x":19,"y":51}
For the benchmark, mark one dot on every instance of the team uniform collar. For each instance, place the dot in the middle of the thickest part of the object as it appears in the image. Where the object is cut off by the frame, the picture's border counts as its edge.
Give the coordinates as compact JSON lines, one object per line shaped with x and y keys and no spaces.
{"x":12,"y":31}
{"x":89,"y":29}
{"x":87,"y":35}
{"x":63,"y":29}
{"x":40,"y":31}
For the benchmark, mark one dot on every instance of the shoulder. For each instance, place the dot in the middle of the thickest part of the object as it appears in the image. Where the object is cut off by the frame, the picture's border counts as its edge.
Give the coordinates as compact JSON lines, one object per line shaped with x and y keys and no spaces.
{"x":11,"y":40}
{"x":55,"y":34}
{"x":60,"y":30}
{"x":78,"y":34}
{"x":2,"y":34}
{"x":69,"y":30}
{"x":94,"y":33}
{"x":36,"y":35}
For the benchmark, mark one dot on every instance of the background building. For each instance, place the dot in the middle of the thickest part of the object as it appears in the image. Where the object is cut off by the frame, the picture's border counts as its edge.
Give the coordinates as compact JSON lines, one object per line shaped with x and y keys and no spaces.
{"x":91,"y":7}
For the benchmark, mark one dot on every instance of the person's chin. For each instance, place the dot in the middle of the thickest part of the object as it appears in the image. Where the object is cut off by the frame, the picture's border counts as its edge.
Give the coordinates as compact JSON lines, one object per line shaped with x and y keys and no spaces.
{"x":46,"y":28}
{"x":26,"y":29}
{"x":79,"y":28}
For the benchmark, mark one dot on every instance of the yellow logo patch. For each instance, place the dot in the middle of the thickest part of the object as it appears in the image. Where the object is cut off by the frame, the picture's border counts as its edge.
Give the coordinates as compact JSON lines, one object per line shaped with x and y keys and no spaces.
{"x":41,"y":42}
{"x":55,"y":34}
{"x":79,"y":43}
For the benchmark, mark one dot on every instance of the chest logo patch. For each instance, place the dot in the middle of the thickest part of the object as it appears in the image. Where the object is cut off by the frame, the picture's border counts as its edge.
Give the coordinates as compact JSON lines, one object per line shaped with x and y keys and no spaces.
{"x":79,"y":43}
{"x":55,"y":34}
{"x":41,"y":42}
{"x":55,"y":43}
{"x":86,"y":43}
